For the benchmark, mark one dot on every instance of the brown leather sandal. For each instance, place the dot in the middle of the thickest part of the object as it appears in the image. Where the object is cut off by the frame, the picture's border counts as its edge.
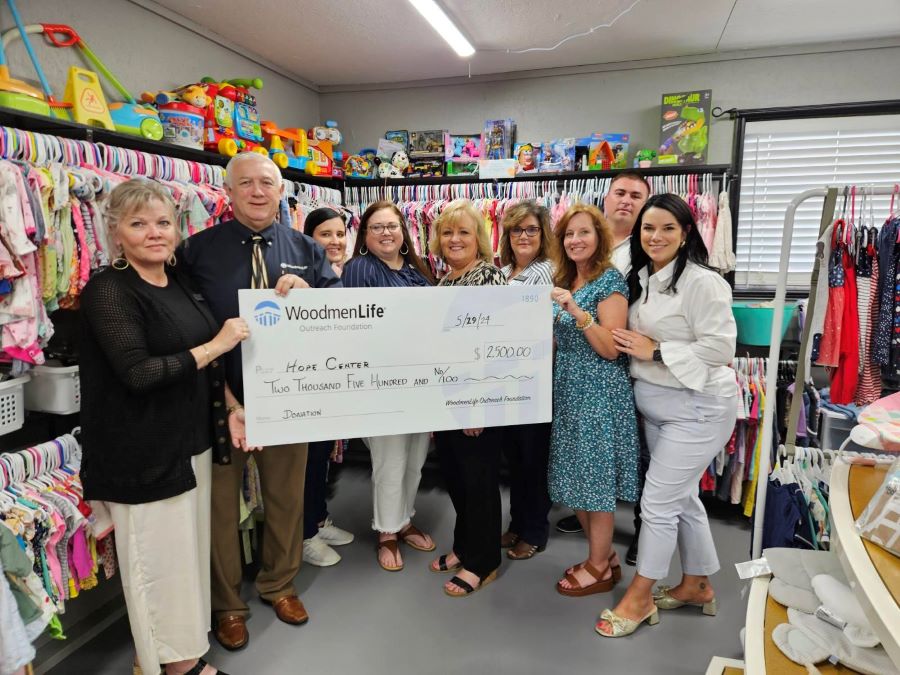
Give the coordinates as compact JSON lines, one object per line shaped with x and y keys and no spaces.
{"x":600,"y":585}
{"x":523,"y":550}
{"x":413,"y":531}
{"x":390,"y":545}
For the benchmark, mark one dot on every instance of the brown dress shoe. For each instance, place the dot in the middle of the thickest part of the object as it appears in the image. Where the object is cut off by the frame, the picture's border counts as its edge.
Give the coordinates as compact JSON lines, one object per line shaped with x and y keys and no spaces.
{"x":289,"y":609}
{"x":231,"y":632}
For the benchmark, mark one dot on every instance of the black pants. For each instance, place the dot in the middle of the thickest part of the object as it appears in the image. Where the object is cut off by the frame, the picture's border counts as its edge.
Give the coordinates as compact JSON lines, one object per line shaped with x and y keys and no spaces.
{"x":471,"y":469}
{"x":527,"y":450}
{"x":314,"y":508}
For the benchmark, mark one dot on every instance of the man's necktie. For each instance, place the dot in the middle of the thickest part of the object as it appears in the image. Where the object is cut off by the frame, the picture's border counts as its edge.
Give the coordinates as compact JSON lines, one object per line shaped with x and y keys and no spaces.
{"x":259,"y":276}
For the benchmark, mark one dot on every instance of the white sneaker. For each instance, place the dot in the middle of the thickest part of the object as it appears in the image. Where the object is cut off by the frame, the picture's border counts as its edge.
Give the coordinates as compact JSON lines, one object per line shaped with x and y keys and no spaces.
{"x":317,"y":552}
{"x":333,"y":535}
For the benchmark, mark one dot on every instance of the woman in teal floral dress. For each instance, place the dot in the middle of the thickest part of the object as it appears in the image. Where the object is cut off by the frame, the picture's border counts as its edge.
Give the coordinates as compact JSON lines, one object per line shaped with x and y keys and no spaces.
{"x":594,"y":445}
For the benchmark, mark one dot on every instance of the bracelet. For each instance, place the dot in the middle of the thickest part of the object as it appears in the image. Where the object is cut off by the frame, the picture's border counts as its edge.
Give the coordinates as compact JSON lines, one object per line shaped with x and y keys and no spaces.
{"x":586,"y":324}
{"x":208,"y":355}
{"x":232,"y":408}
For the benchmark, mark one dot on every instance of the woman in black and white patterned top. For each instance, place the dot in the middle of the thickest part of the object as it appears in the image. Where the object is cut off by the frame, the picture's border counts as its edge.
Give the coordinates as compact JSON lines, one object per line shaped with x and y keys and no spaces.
{"x":526,"y":248}
{"x":470,"y":458}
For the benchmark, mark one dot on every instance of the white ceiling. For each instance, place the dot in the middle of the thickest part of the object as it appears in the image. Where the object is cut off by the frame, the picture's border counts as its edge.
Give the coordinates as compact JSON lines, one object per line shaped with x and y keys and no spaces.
{"x":345,"y":42}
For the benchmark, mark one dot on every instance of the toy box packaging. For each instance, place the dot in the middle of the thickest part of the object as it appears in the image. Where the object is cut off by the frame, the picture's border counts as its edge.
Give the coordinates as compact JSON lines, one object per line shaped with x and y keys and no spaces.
{"x":387,"y":148}
{"x":498,"y":138}
{"x":608,"y":151}
{"x":558,"y":155}
{"x":684,"y":129}
{"x":399,"y":136}
{"x":426,"y":168}
{"x":427,"y":144}
{"x":526,"y":155}
{"x":462,"y":152}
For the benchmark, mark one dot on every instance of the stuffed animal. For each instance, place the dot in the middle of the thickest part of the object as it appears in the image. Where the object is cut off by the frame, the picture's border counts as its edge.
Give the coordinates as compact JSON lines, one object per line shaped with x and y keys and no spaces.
{"x":194,"y":94}
{"x":400,"y":161}
{"x":387,"y":169}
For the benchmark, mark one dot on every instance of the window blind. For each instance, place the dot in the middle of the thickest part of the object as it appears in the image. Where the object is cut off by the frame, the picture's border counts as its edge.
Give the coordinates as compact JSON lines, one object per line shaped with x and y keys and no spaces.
{"x":778,"y":166}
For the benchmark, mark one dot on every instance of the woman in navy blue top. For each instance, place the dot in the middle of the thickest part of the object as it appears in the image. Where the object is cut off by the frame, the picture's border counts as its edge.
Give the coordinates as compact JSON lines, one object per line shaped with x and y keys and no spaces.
{"x":327,"y":227}
{"x":384,"y":256}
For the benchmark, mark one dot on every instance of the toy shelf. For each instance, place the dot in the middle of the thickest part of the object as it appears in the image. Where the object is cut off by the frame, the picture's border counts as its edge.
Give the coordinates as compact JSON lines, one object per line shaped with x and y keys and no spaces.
{"x":715,"y":169}
{"x":68,"y":129}
{"x":873,"y":572}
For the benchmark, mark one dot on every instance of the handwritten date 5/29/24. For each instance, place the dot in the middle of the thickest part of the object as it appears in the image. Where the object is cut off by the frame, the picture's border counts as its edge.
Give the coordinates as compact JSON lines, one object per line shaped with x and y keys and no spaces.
{"x":475,"y":321}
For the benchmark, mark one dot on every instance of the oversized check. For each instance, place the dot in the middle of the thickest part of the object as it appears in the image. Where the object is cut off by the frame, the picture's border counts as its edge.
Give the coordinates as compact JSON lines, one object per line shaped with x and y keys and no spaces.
{"x":322,"y":364}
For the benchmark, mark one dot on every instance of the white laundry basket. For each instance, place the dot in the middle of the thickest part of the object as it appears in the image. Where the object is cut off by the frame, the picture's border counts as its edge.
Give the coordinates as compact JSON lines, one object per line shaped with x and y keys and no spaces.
{"x":54,"y":389}
{"x":12,"y":409}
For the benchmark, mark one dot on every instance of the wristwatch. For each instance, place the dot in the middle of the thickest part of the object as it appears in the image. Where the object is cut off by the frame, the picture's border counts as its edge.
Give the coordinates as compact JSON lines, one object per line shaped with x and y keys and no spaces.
{"x":657,"y":354}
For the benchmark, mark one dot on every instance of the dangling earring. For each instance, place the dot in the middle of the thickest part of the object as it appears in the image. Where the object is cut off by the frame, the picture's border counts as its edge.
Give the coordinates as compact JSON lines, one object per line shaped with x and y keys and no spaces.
{"x":363,"y":250}
{"x":120,"y":264}
{"x":683,"y":242}
{"x":402,"y":252}
{"x":172,"y":260}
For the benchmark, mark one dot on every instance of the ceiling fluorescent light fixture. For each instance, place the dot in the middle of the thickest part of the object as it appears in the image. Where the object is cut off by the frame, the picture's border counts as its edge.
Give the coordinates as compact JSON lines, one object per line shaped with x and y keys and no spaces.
{"x":444,"y":26}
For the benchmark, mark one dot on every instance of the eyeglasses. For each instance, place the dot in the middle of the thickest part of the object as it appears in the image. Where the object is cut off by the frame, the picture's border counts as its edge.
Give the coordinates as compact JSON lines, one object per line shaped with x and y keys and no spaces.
{"x":381,"y":227}
{"x":527,"y":231}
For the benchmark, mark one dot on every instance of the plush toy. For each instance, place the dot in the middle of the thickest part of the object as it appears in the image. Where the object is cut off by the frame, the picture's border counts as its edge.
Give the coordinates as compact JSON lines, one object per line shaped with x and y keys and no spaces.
{"x":194,"y":95}
{"x":387,"y":169}
{"x":400,"y":161}
{"x":470,"y":149}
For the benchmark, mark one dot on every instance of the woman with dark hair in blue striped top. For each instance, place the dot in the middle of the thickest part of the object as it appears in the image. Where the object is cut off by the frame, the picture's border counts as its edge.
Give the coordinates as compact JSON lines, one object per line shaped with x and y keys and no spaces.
{"x":384,"y":257}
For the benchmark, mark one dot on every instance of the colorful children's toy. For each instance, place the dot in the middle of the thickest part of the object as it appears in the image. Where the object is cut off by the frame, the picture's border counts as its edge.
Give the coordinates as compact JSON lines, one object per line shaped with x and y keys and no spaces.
{"x":400,"y":136}
{"x":558,"y":155}
{"x":287,"y":147}
{"x":231,"y":120}
{"x":684,"y":132}
{"x":332,"y":134}
{"x":526,"y":157}
{"x":16,"y":93}
{"x":182,"y":124}
{"x":427,"y":144}
{"x":128,"y":116}
{"x":609,"y":151}
{"x":644,"y":158}
{"x":498,"y":138}
{"x":357,"y":166}
{"x":462,"y":152}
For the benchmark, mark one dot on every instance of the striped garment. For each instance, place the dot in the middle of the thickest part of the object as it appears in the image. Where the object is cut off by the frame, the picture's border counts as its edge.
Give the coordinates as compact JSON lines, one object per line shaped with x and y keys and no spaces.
{"x":537,"y":273}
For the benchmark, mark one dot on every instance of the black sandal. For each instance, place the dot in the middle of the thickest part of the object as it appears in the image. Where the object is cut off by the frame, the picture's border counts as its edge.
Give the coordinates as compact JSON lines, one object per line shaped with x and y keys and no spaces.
{"x":443,"y":566}
{"x":467,"y":587}
{"x":199,"y":666}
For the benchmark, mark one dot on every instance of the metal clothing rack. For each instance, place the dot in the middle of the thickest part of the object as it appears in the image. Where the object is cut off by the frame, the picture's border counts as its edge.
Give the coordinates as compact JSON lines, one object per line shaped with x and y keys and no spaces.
{"x":830,"y":195}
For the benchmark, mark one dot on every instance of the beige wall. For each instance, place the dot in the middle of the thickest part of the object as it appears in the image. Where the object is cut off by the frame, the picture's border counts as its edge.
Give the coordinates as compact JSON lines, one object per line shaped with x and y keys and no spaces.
{"x":618,"y":100}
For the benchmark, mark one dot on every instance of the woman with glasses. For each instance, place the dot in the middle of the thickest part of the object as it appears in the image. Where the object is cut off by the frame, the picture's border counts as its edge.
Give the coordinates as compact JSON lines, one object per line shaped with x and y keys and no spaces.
{"x":525,"y":251}
{"x":384,"y":257}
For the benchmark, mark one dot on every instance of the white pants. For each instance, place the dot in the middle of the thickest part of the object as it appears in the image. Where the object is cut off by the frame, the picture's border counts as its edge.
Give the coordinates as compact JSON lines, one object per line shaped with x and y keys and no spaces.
{"x":163,"y":550}
{"x":685,"y":430}
{"x":396,"y":471}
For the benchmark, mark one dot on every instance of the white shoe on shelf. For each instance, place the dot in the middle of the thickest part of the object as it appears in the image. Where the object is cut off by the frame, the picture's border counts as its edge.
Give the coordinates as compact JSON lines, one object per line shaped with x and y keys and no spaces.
{"x":333,"y":535}
{"x":317,"y":552}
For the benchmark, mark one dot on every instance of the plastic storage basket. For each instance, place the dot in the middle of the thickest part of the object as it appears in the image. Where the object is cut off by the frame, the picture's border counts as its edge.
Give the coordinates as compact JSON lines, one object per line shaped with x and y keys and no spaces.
{"x":754,"y":324}
{"x":12,"y":410}
{"x":54,"y":389}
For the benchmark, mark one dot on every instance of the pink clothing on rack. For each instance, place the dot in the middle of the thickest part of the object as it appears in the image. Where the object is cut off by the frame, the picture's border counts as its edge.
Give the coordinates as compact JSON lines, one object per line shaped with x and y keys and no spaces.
{"x":846,"y":375}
